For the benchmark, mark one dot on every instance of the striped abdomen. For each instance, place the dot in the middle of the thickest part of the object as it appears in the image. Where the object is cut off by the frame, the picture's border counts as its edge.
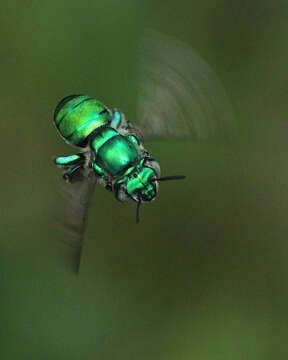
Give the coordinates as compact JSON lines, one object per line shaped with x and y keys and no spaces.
{"x":77,"y":116}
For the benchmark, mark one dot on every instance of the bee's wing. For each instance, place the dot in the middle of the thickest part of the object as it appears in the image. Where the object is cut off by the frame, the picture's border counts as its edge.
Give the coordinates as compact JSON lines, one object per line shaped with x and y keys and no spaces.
{"x":180,"y":94}
{"x":76,"y":199}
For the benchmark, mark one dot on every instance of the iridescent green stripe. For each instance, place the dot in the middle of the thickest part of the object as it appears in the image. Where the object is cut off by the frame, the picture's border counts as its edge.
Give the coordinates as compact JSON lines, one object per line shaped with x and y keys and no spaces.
{"x":80,"y":115}
{"x":77,"y":116}
{"x":82,"y":120}
{"x":66,"y":106}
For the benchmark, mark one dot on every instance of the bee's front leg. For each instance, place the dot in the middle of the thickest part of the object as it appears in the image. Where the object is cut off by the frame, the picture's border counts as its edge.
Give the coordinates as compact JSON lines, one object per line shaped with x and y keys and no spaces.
{"x":73,"y":164}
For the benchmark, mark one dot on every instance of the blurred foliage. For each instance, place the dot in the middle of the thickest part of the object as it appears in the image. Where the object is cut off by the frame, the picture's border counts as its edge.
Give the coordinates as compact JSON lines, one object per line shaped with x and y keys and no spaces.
{"x":204,"y":276}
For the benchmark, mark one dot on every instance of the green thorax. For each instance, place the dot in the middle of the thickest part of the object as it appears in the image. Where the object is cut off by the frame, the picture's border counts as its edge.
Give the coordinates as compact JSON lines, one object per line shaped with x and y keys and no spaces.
{"x":77,"y":116}
{"x":115,"y":154}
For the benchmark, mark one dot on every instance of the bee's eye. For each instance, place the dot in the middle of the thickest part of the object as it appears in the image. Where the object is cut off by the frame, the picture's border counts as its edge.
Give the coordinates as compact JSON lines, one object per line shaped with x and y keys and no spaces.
{"x":135,"y":175}
{"x":121,"y":193}
{"x":152,"y":164}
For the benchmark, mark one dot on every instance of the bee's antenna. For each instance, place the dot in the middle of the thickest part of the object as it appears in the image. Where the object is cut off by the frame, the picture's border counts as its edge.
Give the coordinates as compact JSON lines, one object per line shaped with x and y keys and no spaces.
{"x":138,"y":211}
{"x":165,"y":178}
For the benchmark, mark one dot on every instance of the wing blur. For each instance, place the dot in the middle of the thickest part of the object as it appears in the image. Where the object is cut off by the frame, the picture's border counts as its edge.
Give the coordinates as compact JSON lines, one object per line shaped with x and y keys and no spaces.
{"x":76,"y":200}
{"x":180,"y":94}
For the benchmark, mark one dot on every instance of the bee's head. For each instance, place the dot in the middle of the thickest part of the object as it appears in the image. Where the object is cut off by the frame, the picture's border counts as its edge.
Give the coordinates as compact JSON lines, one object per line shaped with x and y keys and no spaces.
{"x":140,"y":184}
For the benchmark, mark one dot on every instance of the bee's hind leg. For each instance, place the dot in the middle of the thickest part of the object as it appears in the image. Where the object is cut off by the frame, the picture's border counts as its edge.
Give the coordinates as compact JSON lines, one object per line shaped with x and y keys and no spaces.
{"x":73,"y":164}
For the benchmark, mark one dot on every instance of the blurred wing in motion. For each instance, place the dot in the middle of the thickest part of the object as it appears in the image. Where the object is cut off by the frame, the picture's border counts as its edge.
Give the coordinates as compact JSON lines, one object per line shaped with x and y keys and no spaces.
{"x":76,"y":198}
{"x":180,"y":95}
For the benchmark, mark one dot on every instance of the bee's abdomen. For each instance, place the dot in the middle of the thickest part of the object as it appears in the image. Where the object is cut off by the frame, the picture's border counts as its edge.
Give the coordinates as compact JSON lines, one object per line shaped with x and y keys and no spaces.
{"x":77,"y":116}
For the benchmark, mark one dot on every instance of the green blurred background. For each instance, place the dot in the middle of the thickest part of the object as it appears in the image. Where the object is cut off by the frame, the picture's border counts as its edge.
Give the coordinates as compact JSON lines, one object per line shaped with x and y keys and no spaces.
{"x":204,"y":275}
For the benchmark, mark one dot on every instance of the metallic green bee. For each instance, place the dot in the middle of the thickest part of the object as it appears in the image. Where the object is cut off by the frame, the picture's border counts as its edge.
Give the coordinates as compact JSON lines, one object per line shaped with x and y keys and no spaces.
{"x":180,"y":96}
{"x":111,"y":150}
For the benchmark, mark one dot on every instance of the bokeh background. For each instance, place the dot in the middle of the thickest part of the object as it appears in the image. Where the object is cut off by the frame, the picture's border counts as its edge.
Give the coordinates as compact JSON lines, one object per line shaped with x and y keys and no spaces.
{"x":204,"y":275}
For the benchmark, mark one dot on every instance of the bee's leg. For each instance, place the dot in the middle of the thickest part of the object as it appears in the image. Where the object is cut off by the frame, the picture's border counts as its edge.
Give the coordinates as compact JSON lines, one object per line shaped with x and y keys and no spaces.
{"x":97,"y":170}
{"x":73,"y":164}
{"x":118,"y":121}
{"x":70,"y":161}
{"x":102,"y":178}
{"x":73,"y":175}
{"x":108,"y":185}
